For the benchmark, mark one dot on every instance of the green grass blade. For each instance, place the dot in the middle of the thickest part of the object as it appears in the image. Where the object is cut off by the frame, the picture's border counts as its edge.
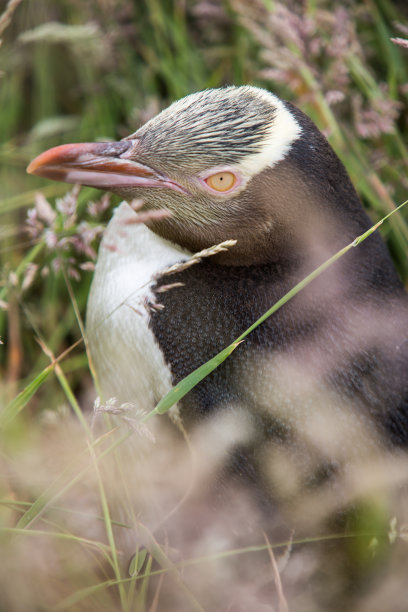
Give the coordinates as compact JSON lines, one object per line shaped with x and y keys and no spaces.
{"x":58,"y":535}
{"x":21,"y":400}
{"x":18,"y":403}
{"x":190,"y":381}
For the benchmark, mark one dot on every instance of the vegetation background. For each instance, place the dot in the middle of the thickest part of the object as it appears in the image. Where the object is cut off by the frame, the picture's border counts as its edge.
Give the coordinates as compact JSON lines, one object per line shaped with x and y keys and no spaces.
{"x":77,"y":71}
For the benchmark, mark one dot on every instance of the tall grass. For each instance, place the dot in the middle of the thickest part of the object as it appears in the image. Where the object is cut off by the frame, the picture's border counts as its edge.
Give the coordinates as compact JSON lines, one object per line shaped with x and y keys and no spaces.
{"x":78,"y":71}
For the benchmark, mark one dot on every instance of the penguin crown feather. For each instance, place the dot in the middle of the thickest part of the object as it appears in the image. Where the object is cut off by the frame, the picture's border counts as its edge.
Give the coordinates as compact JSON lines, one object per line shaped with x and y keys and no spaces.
{"x":211,"y":122}
{"x":221,"y":126}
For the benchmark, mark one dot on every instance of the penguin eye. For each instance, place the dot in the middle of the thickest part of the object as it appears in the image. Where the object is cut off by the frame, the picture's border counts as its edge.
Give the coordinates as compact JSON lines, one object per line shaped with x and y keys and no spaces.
{"x":221,"y":181}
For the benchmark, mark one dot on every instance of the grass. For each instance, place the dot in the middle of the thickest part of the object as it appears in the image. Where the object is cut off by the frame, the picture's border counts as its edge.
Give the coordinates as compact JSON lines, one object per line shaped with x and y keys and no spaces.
{"x":74,"y":71}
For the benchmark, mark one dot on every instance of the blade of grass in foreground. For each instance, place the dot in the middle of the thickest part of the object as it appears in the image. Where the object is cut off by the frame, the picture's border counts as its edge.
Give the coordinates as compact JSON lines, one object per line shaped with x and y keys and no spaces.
{"x":190,"y":381}
{"x":22,"y":399}
{"x":18,"y":403}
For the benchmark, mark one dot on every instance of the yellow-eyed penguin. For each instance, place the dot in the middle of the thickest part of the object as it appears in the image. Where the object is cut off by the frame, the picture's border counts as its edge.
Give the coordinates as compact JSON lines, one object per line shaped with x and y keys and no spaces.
{"x":321,"y":383}
{"x":239,"y":163}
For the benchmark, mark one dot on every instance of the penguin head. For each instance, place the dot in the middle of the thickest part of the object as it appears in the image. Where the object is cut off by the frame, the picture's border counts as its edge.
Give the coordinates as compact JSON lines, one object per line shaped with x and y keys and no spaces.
{"x":230,"y":163}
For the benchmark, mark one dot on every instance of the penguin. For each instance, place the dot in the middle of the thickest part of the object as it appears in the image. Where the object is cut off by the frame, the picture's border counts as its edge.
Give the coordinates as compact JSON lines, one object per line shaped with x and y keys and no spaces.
{"x":326,"y":375}
{"x":244,"y":197}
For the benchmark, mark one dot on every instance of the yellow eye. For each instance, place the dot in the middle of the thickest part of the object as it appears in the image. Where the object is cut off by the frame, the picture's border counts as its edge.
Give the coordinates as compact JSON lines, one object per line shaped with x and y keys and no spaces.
{"x":221,"y":181}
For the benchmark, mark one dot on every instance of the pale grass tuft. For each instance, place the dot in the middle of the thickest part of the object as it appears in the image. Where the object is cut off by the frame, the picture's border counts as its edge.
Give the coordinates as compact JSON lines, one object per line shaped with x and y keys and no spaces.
{"x":112,"y":407}
{"x":54,"y":32}
{"x":393,"y":532}
{"x":165,"y":288}
{"x":29,"y":275}
{"x":402,"y":42}
{"x":44,"y":210}
{"x":197,"y":258}
{"x":145,"y":217}
{"x":13,"y":279}
{"x":87,"y":266}
{"x":282,"y":603}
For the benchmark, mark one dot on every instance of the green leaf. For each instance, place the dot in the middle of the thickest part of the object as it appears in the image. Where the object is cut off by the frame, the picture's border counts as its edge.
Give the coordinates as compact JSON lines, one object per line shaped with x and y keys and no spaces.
{"x":137,"y":562}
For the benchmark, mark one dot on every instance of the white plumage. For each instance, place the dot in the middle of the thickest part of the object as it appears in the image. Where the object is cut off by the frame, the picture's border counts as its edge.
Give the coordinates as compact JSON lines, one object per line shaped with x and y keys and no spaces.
{"x":122,"y":346}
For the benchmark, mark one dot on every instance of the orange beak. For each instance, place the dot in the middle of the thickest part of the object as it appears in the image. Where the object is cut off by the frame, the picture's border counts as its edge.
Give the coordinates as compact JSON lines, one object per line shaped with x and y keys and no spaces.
{"x":104,"y":165}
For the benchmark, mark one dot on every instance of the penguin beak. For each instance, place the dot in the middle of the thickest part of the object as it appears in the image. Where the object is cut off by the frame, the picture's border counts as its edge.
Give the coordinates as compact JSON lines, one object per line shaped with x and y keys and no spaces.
{"x":104,"y":165}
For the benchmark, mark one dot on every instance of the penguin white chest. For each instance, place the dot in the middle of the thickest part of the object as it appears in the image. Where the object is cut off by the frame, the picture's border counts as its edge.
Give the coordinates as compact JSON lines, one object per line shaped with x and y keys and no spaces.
{"x":126,"y":356}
